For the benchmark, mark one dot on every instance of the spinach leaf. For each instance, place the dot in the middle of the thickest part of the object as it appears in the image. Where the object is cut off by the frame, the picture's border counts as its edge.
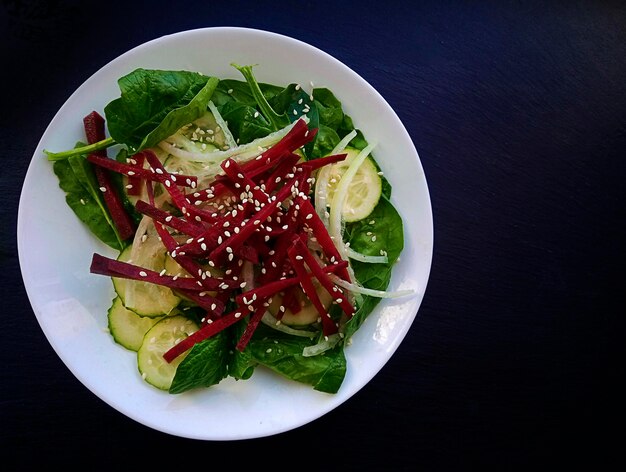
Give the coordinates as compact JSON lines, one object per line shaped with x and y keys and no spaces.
{"x":82,"y":194}
{"x":325,"y":140}
{"x":231,"y":90}
{"x":330,"y":111}
{"x":282,"y":353}
{"x":386,"y":224}
{"x":244,"y":122}
{"x":241,"y":364}
{"x":204,"y":366}
{"x":156,"y":103}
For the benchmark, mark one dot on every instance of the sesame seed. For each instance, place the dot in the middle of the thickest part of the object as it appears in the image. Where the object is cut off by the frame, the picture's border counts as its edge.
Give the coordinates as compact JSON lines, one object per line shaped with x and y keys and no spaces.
{"x":103,"y":189}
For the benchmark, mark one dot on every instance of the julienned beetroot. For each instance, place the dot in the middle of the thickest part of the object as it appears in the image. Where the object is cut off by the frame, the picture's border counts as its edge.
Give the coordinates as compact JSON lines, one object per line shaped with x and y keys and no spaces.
{"x":94,"y":126}
{"x":258,"y":212}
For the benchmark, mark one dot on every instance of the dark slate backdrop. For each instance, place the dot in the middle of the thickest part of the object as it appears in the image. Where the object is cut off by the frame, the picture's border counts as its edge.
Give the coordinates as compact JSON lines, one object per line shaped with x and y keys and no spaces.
{"x":518,"y":112}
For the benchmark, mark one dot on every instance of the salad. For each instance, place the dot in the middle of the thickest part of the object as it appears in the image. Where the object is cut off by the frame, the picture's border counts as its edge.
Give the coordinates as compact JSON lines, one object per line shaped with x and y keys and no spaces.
{"x":251,"y":224}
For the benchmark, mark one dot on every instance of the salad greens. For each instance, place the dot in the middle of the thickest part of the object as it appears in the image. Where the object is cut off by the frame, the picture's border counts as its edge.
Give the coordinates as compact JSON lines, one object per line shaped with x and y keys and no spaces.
{"x":191,"y":169}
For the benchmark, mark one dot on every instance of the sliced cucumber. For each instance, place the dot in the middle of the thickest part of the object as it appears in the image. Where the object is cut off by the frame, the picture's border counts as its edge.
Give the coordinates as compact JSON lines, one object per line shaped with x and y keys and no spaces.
{"x":127,"y":327}
{"x":365,"y":189}
{"x":144,"y":298}
{"x":158,"y":340}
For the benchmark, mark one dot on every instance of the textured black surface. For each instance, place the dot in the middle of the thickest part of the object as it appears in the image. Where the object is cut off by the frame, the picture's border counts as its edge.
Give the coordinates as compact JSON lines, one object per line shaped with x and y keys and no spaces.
{"x":518,"y":112}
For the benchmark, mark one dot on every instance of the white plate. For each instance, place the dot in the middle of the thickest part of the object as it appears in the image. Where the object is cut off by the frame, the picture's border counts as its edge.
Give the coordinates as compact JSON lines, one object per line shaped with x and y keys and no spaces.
{"x":71,"y":304}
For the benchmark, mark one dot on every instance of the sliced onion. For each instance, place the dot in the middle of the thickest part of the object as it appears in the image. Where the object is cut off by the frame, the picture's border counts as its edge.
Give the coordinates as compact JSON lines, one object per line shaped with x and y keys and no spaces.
{"x":328,"y":342}
{"x":336,"y":205}
{"x":230,"y":140}
{"x":272,"y":322}
{"x":370,"y":291}
{"x":357,"y":256}
{"x":240,"y":153}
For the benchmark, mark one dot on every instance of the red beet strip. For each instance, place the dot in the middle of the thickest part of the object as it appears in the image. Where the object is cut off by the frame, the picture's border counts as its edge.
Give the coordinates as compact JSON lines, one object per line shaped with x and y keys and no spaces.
{"x":134,"y":181}
{"x":310,"y":218}
{"x":93,"y":125}
{"x":322,"y":161}
{"x":253,"y":322}
{"x":168,"y":219}
{"x":323,"y":278}
{"x":328,"y":325}
{"x":205,"y":332}
{"x":103,"y":265}
{"x":134,"y":171}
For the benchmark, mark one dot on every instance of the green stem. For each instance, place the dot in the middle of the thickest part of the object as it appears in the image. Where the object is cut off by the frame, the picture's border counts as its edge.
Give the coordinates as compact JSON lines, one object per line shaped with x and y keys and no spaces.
{"x":277,"y":121}
{"x":59,"y":156}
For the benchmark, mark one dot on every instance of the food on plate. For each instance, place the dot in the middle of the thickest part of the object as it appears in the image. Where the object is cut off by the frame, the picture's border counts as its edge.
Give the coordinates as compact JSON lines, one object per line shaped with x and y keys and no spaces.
{"x":242,"y":224}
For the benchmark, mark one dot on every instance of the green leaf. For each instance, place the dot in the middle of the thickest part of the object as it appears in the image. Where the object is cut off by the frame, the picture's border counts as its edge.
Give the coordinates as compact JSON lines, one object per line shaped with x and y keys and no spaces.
{"x":241,"y":364}
{"x":386,"y":224}
{"x":282,"y":353}
{"x":82,"y":194}
{"x":156,"y":103}
{"x":330,"y":111}
{"x":204,"y":366}
{"x":243,"y":123}
{"x":325,"y":141}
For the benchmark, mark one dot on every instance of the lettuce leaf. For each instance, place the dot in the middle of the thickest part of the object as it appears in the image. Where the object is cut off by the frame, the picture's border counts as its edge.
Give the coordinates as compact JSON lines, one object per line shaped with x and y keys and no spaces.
{"x":154,"y":104}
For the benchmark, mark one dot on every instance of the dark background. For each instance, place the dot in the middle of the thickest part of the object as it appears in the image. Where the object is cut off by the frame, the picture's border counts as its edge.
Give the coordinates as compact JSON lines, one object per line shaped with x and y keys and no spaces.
{"x":518,"y":112}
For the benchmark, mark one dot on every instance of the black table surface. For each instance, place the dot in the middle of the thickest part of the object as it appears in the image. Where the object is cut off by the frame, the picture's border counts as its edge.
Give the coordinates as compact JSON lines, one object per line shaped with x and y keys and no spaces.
{"x":518,"y":112}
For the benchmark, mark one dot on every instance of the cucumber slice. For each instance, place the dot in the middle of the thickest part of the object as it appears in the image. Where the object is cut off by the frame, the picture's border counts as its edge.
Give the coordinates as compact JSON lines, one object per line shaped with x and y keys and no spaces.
{"x":127,"y":327}
{"x":365,"y":189}
{"x":144,"y":298}
{"x":158,"y":340}
{"x":308,"y":314}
